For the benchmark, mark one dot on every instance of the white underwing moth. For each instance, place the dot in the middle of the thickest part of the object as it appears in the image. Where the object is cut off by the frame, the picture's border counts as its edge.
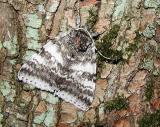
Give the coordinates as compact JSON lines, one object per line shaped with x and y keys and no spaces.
{"x":66,"y":66}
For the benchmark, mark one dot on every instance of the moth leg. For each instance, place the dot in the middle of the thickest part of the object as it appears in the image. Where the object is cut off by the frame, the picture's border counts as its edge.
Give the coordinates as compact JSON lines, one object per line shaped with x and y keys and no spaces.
{"x":77,"y":13}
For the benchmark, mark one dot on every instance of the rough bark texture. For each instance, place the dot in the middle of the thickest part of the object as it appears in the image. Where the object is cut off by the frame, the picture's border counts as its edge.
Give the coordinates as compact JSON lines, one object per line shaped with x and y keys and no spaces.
{"x":126,"y":89}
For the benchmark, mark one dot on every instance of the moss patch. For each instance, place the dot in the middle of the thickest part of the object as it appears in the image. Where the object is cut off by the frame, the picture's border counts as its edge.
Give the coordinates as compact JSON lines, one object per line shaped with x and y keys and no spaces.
{"x":120,"y":102}
{"x":149,"y":90}
{"x":92,"y":19}
{"x":150,"y":120}
{"x":104,"y":46}
{"x":133,"y":47}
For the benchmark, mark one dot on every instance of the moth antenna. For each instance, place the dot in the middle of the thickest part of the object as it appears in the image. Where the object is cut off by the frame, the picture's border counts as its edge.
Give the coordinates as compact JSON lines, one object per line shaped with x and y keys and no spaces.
{"x":102,"y":54}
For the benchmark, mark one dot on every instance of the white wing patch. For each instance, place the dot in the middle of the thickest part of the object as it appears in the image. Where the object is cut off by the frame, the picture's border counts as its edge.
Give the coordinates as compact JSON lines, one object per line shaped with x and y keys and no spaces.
{"x":53,"y":50}
{"x":87,"y":67}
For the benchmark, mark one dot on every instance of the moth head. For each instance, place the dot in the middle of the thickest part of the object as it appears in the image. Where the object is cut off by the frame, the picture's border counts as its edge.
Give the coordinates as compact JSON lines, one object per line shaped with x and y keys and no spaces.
{"x":81,"y":39}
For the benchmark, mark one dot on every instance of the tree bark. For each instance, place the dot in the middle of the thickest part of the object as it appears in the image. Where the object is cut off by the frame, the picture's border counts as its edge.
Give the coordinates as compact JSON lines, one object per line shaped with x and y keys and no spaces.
{"x":125,"y":89}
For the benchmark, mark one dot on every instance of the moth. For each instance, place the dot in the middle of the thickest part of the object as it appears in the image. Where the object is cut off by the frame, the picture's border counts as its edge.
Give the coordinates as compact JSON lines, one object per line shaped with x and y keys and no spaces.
{"x":65,"y":66}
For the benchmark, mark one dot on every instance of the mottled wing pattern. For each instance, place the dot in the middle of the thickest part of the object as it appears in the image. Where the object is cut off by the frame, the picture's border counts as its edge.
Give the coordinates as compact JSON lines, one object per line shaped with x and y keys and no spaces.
{"x":66,"y":67}
{"x":39,"y":70}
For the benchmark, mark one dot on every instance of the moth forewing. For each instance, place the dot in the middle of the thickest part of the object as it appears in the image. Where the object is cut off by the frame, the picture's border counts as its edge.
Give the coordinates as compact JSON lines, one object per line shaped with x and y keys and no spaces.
{"x":65,"y":67}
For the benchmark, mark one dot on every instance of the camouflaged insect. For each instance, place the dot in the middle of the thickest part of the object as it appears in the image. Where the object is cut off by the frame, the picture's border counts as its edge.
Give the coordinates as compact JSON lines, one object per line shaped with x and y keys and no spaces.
{"x":66,"y":66}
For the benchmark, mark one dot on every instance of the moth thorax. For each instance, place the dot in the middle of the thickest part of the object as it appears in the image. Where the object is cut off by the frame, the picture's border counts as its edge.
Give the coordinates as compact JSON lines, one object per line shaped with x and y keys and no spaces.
{"x":81,"y":40}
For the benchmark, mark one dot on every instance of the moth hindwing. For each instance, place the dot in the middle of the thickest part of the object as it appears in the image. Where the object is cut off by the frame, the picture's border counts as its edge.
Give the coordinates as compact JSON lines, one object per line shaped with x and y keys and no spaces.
{"x":65,"y":67}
